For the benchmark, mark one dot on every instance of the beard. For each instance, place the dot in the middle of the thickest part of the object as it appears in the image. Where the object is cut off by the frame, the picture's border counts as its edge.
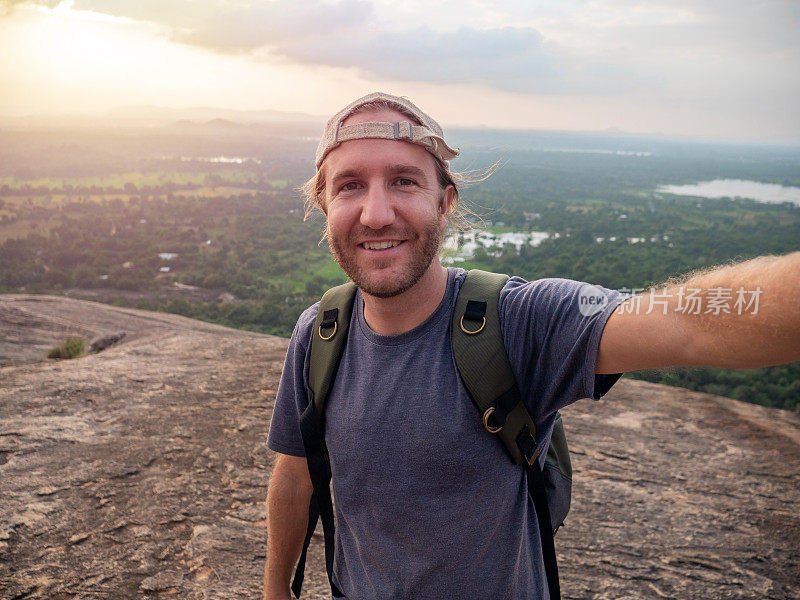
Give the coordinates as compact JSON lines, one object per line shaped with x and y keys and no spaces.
{"x":424,"y":247}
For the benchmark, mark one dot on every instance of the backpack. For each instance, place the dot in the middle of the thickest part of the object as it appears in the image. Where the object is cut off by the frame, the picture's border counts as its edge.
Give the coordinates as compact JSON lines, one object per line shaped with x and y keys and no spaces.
{"x":482,"y":363}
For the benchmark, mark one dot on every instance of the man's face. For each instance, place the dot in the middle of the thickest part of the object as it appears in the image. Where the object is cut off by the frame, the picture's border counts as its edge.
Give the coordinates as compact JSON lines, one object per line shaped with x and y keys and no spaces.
{"x":385,"y":209}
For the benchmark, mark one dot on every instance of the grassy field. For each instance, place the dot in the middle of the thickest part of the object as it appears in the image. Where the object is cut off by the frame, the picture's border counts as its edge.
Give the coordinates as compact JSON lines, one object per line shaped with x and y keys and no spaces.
{"x":23,"y":228}
{"x":16,"y":204}
{"x":22,"y":217}
{"x":229,"y":175}
{"x":116,"y":181}
{"x":330,"y":270}
{"x":215,"y":192}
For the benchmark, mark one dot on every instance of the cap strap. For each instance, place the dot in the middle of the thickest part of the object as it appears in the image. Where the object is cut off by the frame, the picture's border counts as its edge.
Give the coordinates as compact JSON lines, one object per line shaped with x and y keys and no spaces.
{"x":404,"y":130}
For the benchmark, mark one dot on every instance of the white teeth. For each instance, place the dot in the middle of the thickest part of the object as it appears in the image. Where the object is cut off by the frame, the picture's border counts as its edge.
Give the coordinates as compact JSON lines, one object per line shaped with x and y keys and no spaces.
{"x":380,"y":245}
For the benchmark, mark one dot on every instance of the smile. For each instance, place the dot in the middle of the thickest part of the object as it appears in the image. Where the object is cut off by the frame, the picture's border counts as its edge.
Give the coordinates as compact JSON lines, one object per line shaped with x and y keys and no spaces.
{"x":380,"y":245}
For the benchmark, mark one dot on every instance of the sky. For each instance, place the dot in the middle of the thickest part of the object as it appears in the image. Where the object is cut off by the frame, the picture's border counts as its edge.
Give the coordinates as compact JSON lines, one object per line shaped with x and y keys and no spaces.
{"x":727,"y":69}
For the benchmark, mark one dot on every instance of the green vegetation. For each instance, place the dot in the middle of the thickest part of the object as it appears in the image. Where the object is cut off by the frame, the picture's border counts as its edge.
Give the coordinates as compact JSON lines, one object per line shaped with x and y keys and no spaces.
{"x":226,"y":242}
{"x":772,"y":386}
{"x":71,"y":348}
{"x":256,"y":247}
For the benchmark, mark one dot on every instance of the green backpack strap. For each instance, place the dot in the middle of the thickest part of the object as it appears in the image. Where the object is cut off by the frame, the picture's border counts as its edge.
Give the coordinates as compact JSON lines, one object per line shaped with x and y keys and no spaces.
{"x":328,"y":341}
{"x":482,"y":362}
{"x":327,"y":344}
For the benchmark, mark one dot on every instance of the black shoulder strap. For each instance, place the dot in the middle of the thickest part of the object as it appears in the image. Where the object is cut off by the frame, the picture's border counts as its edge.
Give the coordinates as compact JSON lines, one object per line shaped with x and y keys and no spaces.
{"x":327,"y":343}
{"x":482,"y":362}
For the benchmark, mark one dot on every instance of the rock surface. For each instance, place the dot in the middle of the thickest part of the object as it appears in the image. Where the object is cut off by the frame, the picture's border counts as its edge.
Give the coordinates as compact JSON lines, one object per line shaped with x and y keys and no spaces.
{"x":99,"y":344}
{"x":142,"y":472}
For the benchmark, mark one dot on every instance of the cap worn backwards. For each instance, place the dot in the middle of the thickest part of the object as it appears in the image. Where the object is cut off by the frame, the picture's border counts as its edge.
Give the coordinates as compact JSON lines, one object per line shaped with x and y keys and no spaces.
{"x":427,"y":134}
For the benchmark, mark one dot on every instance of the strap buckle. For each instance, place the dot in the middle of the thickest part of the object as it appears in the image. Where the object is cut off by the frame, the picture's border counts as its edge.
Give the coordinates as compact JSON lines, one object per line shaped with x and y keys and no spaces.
{"x":475,"y":311}
{"x":328,"y":321}
{"x":406,"y":134}
{"x":527,"y":446}
{"x":333,"y":333}
{"x":486,"y":416}
{"x":471,"y":331}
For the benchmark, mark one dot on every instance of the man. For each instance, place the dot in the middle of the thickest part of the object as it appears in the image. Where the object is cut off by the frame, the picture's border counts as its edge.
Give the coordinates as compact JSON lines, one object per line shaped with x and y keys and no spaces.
{"x":427,"y":503}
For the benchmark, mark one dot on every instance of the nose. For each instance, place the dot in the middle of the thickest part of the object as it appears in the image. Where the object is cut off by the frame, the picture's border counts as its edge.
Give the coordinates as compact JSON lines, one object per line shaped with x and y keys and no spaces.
{"x":377,"y":210}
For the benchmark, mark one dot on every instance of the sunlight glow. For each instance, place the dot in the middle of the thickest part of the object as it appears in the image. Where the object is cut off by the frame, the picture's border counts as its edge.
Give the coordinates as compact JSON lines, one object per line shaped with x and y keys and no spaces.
{"x":79,"y":62}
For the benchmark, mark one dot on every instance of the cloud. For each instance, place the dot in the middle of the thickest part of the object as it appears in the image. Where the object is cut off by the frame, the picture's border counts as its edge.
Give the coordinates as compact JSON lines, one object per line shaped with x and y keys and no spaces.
{"x":238,"y":27}
{"x":348,"y":34}
{"x":277,"y":23}
{"x":507,"y":58}
{"x":7,"y":6}
{"x":600,"y":47}
{"x":706,"y":63}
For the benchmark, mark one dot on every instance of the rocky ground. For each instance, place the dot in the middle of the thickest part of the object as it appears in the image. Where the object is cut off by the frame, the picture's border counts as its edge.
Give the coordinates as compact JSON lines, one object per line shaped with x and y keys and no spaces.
{"x":166,"y":291}
{"x":141,"y":472}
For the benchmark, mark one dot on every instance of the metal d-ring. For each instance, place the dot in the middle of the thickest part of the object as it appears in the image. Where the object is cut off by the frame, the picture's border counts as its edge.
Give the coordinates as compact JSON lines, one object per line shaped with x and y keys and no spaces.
{"x":333,"y":333}
{"x":467,"y":331}
{"x":486,"y":416}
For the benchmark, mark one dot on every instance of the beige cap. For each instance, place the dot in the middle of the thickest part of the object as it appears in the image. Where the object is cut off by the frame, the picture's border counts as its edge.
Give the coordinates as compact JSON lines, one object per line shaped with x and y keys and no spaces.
{"x":427,"y":134}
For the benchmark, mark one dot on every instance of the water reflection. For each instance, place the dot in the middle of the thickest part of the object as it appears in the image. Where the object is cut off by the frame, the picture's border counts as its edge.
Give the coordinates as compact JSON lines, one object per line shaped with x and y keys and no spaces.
{"x":737,"y":188}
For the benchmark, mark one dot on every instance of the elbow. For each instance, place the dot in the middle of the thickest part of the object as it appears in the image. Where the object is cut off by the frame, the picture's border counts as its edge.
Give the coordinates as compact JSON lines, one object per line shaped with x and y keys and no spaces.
{"x":290,"y":477}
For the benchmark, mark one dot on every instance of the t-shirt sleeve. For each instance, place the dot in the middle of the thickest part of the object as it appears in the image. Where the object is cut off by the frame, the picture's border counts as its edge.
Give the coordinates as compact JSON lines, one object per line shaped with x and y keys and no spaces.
{"x":552,"y":330}
{"x":291,"y":400}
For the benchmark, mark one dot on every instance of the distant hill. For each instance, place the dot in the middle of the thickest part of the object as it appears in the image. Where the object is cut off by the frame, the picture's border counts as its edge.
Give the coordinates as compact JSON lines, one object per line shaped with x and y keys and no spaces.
{"x":151,"y":118}
{"x":161,"y":114}
{"x":142,"y":472}
{"x":243,"y":130}
{"x":212,"y":123}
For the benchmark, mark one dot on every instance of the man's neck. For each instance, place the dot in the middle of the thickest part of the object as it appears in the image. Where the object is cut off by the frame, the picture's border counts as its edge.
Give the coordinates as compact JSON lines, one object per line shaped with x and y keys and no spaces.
{"x":392,"y":316}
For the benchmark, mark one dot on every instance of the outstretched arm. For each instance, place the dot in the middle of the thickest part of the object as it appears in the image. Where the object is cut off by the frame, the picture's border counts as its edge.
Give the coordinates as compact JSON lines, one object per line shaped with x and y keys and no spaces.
{"x":737,"y":316}
{"x":289,"y":493}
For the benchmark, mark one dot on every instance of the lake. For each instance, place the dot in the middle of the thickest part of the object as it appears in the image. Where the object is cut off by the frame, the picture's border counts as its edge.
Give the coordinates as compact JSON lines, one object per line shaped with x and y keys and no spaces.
{"x":459,"y":247}
{"x":736,"y":188}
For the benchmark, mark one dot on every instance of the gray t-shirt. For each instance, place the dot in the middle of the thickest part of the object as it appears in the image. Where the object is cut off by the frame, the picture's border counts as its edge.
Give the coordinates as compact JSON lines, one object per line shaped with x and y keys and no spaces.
{"x":428,"y":505}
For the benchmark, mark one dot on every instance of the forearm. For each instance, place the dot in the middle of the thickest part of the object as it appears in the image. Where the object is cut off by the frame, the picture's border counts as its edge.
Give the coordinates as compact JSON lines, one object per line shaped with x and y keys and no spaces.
{"x":763,"y":328}
{"x":287,"y":519}
{"x":737,"y":316}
